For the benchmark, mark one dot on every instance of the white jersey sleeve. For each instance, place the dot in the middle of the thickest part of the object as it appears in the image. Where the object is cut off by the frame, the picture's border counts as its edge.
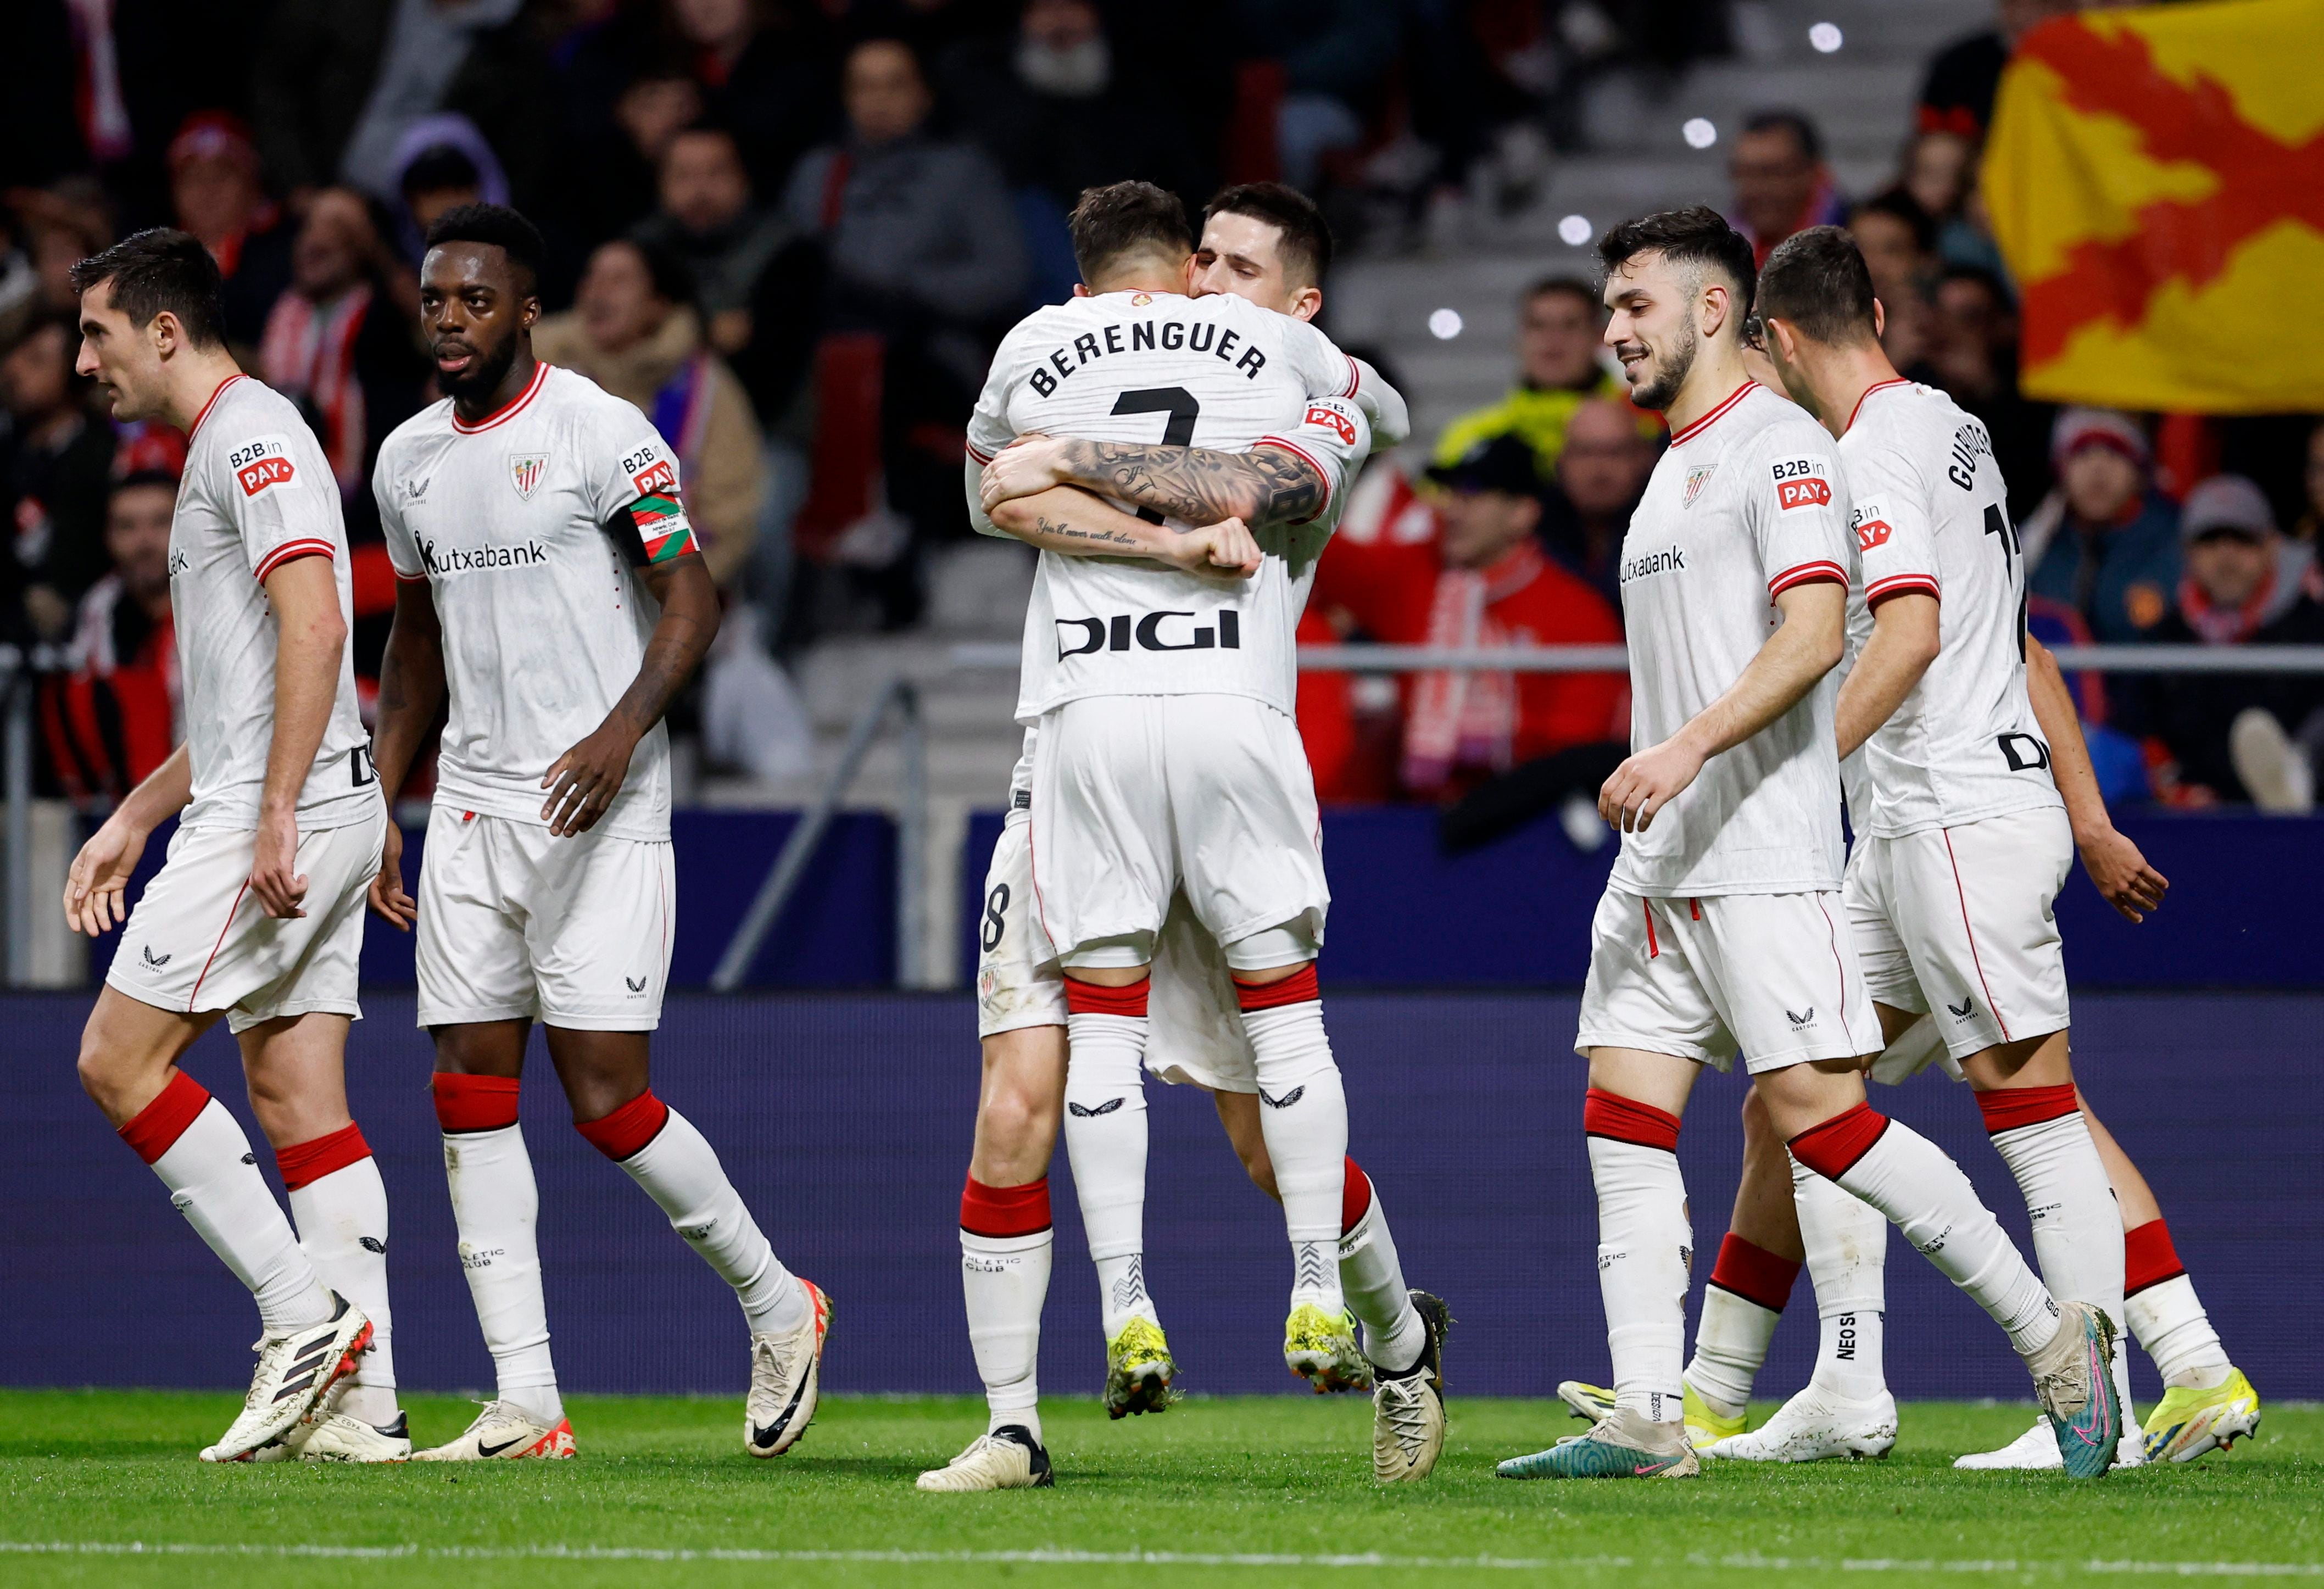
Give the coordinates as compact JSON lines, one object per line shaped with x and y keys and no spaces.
{"x":281,"y":511}
{"x":1335,"y":435}
{"x":1384,"y":406}
{"x":1797,"y":507}
{"x":1888,"y":514}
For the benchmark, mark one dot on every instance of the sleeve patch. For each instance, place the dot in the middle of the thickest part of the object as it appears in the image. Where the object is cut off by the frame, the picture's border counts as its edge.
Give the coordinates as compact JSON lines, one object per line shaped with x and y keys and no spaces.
{"x":1331,"y":418}
{"x":658,"y":477}
{"x":1870,"y":519}
{"x":262,"y":464}
{"x":1808,"y":491}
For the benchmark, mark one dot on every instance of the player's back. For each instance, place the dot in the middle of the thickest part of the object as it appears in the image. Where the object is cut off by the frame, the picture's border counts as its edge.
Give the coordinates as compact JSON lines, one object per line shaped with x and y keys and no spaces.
{"x":1930,"y":514}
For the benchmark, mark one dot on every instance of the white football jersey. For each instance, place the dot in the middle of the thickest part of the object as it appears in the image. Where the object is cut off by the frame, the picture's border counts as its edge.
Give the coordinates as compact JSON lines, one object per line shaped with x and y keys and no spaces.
{"x":1746,"y":502}
{"x":257,"y":493}
{"x":545,"y":620}
{"x":1219,"y":373}
{"x":1932,"y":514}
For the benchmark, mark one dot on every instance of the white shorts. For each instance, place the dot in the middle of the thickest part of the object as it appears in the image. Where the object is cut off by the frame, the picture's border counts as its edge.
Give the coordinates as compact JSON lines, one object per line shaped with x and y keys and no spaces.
{"x":200,"y":940}
{"x":1962,"y":918}
{"x":1774,"y":974}
{"x":1194,"y":1031}
{"x":1135,"y":797}
{"x":517,"y":924}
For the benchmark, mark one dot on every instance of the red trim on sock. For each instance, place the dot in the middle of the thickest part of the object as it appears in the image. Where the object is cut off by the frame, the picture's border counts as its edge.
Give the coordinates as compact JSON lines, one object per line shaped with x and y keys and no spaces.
{"x":2009,"y":1108}
{"x":1754,"y":1273}
{"x":1004,"y":1211}
{"x":155,"y":1129}
{"x":627,"y":1130}
{"x":1626,"y":1119}
{"x":1832,"y":1148}
{"x":1090,"y":998}
{"x":1355,"y":1196}
{"x":2148,"y":1258}
{"x":1298,"y":988}
{"x":304,"y":1163}
{"x":474,"y":1103}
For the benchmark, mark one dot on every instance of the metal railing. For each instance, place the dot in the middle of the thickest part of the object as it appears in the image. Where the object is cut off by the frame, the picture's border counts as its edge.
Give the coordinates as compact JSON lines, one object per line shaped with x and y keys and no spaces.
{"x":1613,"y":658}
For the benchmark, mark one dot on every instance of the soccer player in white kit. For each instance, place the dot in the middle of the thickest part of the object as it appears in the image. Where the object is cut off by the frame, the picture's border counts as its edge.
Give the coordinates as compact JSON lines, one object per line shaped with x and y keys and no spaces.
{"x":1723,"y":926}
{"x":257,"y":915}
{"x":551,"y":594}
{"x":1962,"y":842}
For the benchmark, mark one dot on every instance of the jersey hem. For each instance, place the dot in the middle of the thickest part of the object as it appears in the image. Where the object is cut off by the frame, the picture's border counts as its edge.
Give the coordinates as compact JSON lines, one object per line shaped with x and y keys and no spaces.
{"x":339,"y":811}
{"x":1685,"y":891}
{"x":527,"y":810}
{"x":1030,"y":713}
{"x":1874,"y":828}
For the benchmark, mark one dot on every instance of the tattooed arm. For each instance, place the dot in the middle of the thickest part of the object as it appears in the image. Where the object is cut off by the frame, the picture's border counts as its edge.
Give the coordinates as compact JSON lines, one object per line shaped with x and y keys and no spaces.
{"x":1266,"y":486}
{"x":1076,"y":525}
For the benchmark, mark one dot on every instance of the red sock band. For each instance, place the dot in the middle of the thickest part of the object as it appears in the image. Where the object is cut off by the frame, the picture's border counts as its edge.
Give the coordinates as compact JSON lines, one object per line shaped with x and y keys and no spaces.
{"x":1626,"y":1119}
{"x":474,"y":1103}
{"x":1089,"y":998}
{"x":2012,"y":1107}
{"x":1297,"y":988}
{"x":627,"y":1129}
{"x":2148,"y":1258}
{"x":1355,"y":1196}
{"x":303,"y":1163}
{"x":1004,"y":1211}
{"x":1754,"y":1273}
{"x":1832,"y":1148}
{"x":153,"y":1130}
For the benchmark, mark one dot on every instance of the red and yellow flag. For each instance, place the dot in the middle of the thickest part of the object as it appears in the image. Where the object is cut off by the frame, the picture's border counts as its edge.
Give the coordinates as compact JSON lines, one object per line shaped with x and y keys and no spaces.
{"x":2155,"y":179}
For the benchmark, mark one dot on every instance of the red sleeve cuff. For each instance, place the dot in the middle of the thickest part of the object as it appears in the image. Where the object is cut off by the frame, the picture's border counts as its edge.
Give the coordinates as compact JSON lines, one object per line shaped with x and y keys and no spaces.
{"x":978,"y":454}
{"x":1880,"y":590}
{"x":290,"y":551}
{"x":1814,"y":573}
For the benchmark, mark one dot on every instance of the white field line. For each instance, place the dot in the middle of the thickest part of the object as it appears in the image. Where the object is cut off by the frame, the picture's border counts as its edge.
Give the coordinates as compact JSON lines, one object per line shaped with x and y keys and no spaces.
{"x":1149,"y":1558}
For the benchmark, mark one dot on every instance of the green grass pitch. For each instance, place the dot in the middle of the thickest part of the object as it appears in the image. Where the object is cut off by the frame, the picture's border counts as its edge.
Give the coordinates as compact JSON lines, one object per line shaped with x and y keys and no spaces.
{"x":1265,"y":1490}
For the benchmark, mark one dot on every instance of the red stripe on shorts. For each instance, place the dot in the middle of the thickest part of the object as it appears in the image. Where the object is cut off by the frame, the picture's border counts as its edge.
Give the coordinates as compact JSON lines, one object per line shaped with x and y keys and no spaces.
{"x":1626,"y":1119}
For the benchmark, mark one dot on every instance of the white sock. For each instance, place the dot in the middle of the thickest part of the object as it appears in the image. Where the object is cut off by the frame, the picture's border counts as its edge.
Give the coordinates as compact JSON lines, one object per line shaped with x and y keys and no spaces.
{"x":1372,"y":1279}
{"x":1004,"y":1279}
{"x":2042,"y":1135}
{"x":1303,"y":1118}
{"x":1847,"y":1243}
{"x":1645,"y":1248}
{"x":200,"y":1153}
{"x":680,"y":1171}
{"x":1105,"y":1143}
{"x":495,"y":1205}
{"x":342,"y":1220}
{"x":2164,"y":1313}
{"x":1741,"y":1306}
{"x":1924,"y":1192}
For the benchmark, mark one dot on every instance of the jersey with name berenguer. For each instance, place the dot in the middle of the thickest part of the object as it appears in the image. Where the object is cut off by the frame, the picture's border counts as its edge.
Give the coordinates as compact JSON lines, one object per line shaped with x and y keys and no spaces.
{"x":1748,"y":502}
{"x":257,"y":494}
{"x":1932,"y":514}
{"x":1219,"y":373}
{"x":544,"y":620}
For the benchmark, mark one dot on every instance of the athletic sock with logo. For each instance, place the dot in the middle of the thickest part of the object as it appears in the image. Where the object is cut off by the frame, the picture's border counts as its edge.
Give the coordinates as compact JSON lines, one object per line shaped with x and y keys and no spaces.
{"x":1005,"y":1246}
{"x":1105,"y":1138}
{"x":1373,"y":1278}
{"x":494,"y":1207}
{"x":663,"y":1153}
{"x":1847,"y":1243}
{"x":1645,"y":1246}
{"x":1303,"y":1118}
{"x":2042,"y":1135}
{"x":200,"y":1153}
{"x":1748,"y":1288}
{"x":2164,"y":1313}
{"x":340,"y":1207}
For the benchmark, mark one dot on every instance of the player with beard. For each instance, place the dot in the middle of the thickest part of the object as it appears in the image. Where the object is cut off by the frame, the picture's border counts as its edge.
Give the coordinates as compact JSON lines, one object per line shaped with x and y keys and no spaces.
{"x":551,"y":596}
{"x":1723,"y":926}
{"x":257,"y":915}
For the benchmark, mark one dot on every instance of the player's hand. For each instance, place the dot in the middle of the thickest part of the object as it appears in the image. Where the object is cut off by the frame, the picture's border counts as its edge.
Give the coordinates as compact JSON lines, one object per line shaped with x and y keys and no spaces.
{"x":1026,"y":465}
{"x":273,"y":870}
{"x":2122,"y":875}
{"x":99,"y":875}
{"x":584,"y":780}
{"x":1227,"y":546}
{"x":388,"y":902}
{"x":1644,"y":783}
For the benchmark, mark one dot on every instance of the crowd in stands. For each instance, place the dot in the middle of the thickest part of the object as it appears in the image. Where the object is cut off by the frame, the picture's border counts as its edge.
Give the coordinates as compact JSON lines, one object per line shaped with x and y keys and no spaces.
{"x":791,"y":230}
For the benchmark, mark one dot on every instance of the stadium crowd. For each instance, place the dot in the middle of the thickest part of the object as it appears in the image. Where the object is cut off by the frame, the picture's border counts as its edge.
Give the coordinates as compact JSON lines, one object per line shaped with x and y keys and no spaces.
{"x":791,"y":232}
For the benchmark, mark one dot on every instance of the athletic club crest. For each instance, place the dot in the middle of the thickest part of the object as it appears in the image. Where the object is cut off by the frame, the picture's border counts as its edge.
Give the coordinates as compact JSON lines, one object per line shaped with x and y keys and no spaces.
{"x":1696,"y":479}
{"x":525,"y":470}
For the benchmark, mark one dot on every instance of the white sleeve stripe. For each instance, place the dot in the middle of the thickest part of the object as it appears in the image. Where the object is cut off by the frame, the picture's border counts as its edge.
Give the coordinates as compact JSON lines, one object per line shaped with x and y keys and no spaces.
{"x":1310,"y":458}
{"x":290,"y":551}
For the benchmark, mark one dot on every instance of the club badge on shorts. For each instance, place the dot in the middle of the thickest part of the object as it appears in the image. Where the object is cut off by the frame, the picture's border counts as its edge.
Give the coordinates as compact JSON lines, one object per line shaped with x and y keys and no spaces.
{"x":525,"y":470}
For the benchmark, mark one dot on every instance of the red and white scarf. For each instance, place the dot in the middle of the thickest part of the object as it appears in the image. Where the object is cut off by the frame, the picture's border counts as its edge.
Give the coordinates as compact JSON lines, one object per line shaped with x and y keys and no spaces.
{"x":309,"y":355}
{"x":1467,"y":719}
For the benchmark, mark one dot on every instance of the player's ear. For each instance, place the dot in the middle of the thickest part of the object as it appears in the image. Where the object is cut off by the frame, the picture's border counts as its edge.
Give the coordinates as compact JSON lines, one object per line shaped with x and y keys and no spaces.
{"x":1081,"y":290}
{"x":165,"y":332}
{"x":1879,"y":318}
{"x":1308,"y":303}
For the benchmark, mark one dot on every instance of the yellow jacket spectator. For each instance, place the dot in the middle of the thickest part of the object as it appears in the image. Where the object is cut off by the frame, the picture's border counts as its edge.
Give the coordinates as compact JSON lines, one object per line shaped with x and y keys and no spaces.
{"x":1559,"y":323}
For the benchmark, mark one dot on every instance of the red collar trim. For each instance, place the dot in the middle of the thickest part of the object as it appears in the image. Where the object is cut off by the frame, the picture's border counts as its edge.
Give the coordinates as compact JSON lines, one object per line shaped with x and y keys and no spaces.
{"x":1868,"y":391}
{"x":1704,"y":423}
{"x":507,"y":410}
{"x":212,"y":403}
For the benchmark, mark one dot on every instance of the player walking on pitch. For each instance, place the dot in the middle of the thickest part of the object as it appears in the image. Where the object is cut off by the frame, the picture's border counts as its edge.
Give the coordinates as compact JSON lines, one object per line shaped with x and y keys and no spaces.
{"x":257,"y":915}
{"x":1723,"y":926}
{"x":550,"y":590}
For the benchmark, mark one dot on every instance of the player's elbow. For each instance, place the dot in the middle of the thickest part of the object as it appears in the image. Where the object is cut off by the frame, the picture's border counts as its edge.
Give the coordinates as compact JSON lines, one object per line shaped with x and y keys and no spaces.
{"x":1016,"y":516}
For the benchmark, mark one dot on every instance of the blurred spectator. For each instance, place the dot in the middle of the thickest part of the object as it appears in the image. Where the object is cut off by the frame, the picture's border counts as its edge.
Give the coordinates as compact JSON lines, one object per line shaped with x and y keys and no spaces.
{"x":1335,"y":55}
{"x":2105,"y":543}
{"x":766,"y":69}
{"x":1899,"y":243}
{"x":633,"y":330}
{"x":1972,"y":354}
{"x":442,"y":163}
{"x":1957,"y":94}
{"x":216,"y":195}
{"x":63,"y":223}
{"x":19,"y":284}
{"x":1782,"y":184}
{"x":2238,"y":737}
{"x":1938,"y":168}
{"x":55,"y":462}
{"x":113,"y":716}
{"x":1560,"y":323}
{"x":1602,"y":473}
{"x":707,"y":220}
{"x":2311,"y":527}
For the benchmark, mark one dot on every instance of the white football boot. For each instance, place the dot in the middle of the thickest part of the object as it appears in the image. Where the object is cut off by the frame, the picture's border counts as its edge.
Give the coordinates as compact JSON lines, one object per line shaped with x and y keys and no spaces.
{"x":786,"y":1376}
{"x":296,"y":1370}
{"x":504,"y":1430}
{"x":340,"y":1436}
{"x":1408,"y":1407}
{"x":1816,"y":1424}
{"x":1008,"y":1458}
{"x":2037,"y":1451}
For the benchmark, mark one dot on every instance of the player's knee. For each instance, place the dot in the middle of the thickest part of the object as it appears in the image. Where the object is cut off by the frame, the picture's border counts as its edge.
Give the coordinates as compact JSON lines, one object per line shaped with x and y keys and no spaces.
{"x":1755,"y":1124}
{"x":1016,"y":1122}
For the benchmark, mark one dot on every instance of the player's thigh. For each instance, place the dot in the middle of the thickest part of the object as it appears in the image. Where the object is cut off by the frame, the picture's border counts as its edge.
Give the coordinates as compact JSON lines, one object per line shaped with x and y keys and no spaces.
{"x":1976,"y":908}
{"x":295,"y":1067}
{"x":1018,"y":1103}
{"x":313,"y":964}
{"x":1195,"y":1031}
{"x":1870,"y":900}
{"x":1642,"y":994}
{"x":599,"y":930}
{"x":1102,"y":861}
{"x":1782,"y":973}
{"x":1018,"y":982}
{"x":470,"y":957}
{"x":1243,"y":812}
